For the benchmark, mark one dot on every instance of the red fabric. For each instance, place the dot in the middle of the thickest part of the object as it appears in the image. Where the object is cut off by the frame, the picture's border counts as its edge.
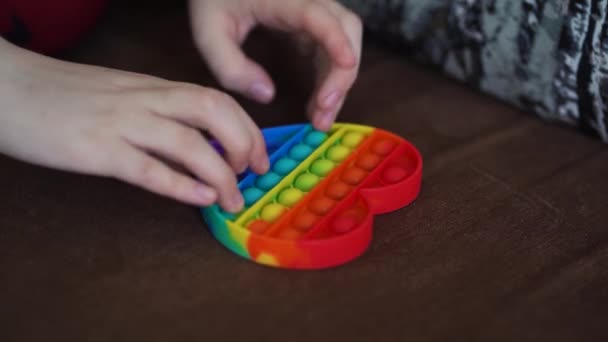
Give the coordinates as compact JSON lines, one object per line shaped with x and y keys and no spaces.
{"x":50,"y":25}
{"x":5,"y":21}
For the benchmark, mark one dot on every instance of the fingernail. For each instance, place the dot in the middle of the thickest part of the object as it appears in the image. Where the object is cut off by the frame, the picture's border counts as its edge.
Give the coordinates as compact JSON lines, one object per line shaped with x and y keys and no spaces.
{"x":331,"y":100}
{"x":237,"y":202}
{"x":327,"y":119}
{"x":265,"y":164}
{"x":261,"y":91}
{"x":204,"y":193}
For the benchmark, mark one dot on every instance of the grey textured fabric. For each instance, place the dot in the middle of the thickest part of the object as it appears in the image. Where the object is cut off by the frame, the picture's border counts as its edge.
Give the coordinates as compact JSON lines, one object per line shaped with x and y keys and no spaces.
{"x":547,"y":57}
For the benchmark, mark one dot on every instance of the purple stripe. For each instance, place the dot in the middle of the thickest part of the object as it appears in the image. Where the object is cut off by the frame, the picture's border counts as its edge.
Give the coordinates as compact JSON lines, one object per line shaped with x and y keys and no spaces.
{"x":217,"y":146}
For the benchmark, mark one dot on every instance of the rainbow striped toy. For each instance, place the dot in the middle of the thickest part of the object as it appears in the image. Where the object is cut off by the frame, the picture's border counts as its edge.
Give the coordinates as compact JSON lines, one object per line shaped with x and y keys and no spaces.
{"x":315,"y":206}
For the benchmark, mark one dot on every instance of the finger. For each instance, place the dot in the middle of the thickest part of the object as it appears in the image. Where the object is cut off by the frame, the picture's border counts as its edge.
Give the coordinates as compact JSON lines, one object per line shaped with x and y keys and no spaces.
{"x":332,"y":87}
{"x":334,"y":82}
{"x":220,"y":46}
{"x":313,"y":18}
{"x":216,"y":113}
{"x":259,"y":156}
{"x":331,"y":93}
{"x":138,"y":168}
{"x":351,"y":24}
{"x":186,"y":146}
{"x":324,"y":119}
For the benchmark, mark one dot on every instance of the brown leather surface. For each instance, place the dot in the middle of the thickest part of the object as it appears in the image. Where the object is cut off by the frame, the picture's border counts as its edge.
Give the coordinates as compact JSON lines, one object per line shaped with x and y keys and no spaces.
{"x":507,"y":241}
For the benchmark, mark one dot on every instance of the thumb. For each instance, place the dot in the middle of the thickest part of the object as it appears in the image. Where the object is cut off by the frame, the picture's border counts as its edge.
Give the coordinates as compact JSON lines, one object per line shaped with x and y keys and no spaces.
{"x":227,"y":61}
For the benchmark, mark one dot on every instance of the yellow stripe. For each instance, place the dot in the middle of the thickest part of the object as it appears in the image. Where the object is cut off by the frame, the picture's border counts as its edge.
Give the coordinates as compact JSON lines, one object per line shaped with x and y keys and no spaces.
{"x":337,"y":131}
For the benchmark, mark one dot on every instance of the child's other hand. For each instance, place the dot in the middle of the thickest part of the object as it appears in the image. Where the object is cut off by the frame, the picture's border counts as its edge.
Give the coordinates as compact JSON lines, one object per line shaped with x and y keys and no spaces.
{"x":220,"y":26}
{"x":127,"y":126}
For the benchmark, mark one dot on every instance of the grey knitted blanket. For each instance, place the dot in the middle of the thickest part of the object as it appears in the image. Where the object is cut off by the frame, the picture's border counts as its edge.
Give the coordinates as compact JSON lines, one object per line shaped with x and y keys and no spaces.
{"x":547,"y":57}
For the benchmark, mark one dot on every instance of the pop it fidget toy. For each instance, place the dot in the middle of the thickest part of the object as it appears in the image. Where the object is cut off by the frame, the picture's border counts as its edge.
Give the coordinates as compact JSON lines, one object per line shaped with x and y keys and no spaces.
{"x":314,"y":208}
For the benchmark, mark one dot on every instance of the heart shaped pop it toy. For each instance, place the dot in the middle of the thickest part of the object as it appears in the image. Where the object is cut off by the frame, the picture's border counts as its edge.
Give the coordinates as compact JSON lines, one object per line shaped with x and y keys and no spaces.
{"x":314,"y":208}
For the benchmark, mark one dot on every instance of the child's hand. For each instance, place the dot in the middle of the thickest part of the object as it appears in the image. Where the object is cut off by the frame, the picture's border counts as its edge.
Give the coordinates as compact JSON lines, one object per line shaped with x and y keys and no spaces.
{"x":128,"y":126}
{"x":220,"y":26}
